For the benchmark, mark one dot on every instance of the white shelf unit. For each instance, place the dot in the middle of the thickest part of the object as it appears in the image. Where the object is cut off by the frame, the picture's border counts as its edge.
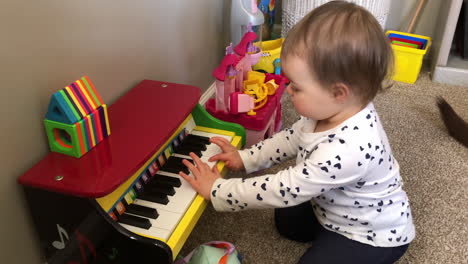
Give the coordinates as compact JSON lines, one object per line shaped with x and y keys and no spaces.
{"x":448,"y":67}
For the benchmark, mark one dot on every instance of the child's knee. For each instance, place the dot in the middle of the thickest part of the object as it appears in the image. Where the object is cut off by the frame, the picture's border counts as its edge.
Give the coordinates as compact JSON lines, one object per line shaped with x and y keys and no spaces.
{"x":293,"y":226}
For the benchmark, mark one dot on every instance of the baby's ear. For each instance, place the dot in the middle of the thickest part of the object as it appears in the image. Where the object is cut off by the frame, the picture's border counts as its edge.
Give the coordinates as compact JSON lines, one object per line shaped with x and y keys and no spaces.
{"x":341,"y":92}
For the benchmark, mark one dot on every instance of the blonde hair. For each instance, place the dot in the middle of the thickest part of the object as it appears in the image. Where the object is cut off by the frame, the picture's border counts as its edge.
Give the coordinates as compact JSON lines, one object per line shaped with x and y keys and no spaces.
{"x":342,"y":42}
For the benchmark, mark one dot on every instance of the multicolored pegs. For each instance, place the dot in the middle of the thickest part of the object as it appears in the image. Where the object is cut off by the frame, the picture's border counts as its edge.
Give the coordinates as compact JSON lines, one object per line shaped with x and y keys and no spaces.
{"x":76,"y":119}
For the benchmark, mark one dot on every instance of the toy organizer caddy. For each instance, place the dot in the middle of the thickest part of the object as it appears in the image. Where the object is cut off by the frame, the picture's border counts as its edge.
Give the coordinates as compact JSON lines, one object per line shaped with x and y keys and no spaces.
{"x":247,"y":97}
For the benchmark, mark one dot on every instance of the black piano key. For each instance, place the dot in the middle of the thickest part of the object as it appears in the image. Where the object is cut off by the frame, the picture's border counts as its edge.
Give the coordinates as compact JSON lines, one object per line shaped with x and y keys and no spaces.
{"x":116,"y":213}
{"x":161,"y":187}
{"x":186,"y":152}
{"x":182,"y":136}
{"x":154,"y":197}
{"x":173,"y":160}
{"x":174,"y":181}
{"x":203,"y":139}
{"x":135,"y":221}
{"x":176,"y":169}
{"x":193,"y":140}
{"x":124,"y":202}
{"x":161,"y":160}
{"x":145,"y":177}
{"x":138,"y":187}
{"x":193,"y":145}
{"x":176,"y":163}
{"x":140,"y":210}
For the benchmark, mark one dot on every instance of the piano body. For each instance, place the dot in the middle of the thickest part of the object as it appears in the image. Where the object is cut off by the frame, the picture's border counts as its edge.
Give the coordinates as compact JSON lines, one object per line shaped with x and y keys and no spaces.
{"x":123,"y":202}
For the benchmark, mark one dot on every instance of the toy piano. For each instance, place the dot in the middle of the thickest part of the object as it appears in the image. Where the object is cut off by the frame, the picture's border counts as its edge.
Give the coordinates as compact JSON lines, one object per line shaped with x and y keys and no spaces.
{"x":123,"y":201}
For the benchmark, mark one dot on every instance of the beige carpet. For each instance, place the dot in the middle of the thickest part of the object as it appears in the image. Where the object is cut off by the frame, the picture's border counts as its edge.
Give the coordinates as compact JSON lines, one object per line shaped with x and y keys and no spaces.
{"x":433,"y":166}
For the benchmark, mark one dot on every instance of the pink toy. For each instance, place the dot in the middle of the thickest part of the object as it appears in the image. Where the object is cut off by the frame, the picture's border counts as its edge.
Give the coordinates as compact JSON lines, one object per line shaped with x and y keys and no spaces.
{"x":240,"y":103}
{"x":250,"y":56}
{"x":260,"y":112}
{"x":233,"y":69}
{"x":242,"y":68}
{"x":267,"y":120}
{"x":225,"y":75}
{"x":246,"y":47}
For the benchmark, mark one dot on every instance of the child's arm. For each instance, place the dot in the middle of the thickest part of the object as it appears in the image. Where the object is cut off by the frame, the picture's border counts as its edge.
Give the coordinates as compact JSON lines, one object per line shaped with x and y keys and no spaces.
{"x":264,"y":154}
{"x":280,"y":147}
{"x":332,"y":165}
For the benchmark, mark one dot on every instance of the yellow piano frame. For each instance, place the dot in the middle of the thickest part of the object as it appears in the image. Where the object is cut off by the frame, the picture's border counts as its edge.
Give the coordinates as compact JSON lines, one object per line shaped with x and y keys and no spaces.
{"x":193,"y":213}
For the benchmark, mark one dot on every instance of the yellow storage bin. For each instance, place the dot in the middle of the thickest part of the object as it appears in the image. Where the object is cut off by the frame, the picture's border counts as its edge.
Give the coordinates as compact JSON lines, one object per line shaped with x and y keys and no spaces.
{"x":408,"y":61}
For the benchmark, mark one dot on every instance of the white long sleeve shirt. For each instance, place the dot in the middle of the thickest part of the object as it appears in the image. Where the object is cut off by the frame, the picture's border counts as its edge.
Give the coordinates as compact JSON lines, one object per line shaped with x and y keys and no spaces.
{"x":348,"y":173}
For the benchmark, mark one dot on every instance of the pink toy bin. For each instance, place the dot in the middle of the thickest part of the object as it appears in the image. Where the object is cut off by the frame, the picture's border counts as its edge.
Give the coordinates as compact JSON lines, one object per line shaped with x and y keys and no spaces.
{"x":265,"y":123}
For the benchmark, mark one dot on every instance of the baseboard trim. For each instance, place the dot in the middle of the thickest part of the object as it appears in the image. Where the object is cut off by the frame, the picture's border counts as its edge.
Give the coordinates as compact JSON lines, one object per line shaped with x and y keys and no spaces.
{"x":450,"y":75}
{"x":207,"y":94}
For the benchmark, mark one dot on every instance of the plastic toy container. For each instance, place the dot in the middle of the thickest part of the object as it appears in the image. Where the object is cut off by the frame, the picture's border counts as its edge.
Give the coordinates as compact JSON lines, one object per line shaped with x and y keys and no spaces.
{"x":265,"y":123}
{"x":408,"y":60}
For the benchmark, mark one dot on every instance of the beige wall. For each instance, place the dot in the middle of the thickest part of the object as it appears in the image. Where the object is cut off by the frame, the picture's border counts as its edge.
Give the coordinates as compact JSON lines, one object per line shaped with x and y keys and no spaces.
{"x":46,"y":45}
{"x":401,"y":12}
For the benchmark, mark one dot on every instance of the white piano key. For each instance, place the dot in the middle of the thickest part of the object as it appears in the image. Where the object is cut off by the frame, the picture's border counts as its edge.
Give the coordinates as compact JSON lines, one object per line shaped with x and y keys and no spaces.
{"x":205,"y":156}
{"x":181,"y":156}
{"x":153,"y":231}
{"x":190,"y":125}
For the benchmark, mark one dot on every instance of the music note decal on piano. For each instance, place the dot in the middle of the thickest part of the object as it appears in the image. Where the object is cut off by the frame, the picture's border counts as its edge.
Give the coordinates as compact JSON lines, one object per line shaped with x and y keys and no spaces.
{"x":62,"y":233}
{"x":123,"y":201}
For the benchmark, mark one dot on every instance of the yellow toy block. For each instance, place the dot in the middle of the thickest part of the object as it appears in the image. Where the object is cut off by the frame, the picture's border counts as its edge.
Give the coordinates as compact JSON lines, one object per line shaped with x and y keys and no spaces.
{"x":270,"y":87}
{"x":255,"y":75}
{"x":251,"y":85}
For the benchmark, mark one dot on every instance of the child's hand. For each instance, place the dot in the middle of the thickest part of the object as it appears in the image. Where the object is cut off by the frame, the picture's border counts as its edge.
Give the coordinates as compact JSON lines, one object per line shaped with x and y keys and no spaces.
{"x":203,"y":178}
{"x":230,"y":154}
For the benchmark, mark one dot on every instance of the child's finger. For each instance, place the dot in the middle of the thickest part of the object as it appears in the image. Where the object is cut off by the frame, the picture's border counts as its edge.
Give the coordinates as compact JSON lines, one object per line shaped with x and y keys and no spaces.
{"x":220,"y":156}
{"x":200,"y":164}
{"x":219,"y":140}
{"x":188,"y":178}
{"x":223,"y":143}
{"x":190,"y":166}
{"x":215,"y":170}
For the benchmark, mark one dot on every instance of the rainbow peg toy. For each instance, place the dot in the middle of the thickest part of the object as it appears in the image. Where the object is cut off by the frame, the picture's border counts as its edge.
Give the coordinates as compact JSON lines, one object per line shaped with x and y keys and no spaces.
{"x":76,"y":119}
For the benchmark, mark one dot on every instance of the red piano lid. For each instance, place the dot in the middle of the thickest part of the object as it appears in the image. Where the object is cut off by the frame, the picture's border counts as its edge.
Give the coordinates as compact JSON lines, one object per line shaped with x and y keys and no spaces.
{"x":141,"y":121}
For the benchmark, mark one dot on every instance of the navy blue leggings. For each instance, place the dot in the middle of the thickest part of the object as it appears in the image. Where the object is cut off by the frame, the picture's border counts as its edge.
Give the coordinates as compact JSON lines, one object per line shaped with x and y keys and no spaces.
{"x":298,"y":223}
